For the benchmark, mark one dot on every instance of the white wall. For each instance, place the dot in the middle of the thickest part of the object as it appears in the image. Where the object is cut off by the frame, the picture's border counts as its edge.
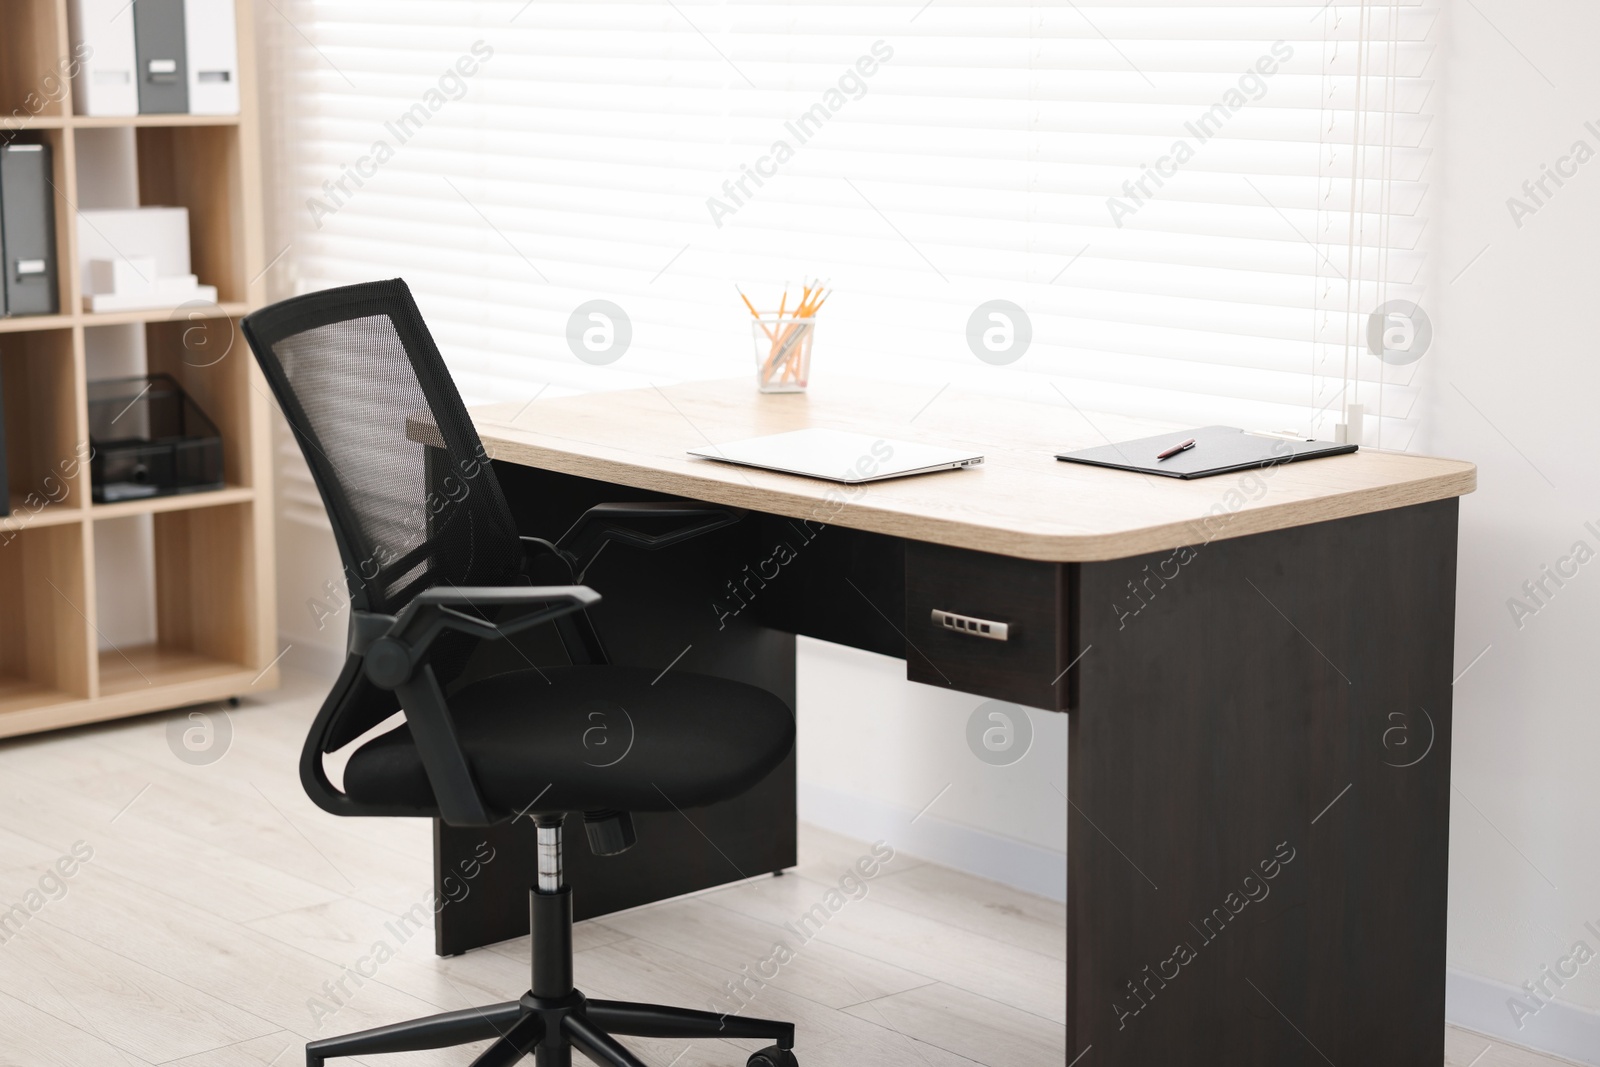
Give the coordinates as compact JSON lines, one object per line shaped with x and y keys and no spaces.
{"x":881,"y":757}
{"x":1512,"y":385}
{"x":312,"y":621}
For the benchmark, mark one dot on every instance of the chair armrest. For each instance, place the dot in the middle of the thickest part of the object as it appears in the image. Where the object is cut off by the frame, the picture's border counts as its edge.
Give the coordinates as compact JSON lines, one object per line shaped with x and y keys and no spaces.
{"x":394,"y":656}
{"x":394,"y":646}
{"x":604,"y":523}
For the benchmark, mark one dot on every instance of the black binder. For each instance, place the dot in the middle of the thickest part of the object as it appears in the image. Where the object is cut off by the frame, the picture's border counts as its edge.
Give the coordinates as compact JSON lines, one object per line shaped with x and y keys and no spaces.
{"x":1217,"y":450}
{"x":161,"y":55}
{"x":28,"y":230}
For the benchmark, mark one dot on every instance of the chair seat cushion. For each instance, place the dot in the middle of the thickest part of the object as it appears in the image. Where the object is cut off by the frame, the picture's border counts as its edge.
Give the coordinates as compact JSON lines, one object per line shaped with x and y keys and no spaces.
{"x":591,"y":738}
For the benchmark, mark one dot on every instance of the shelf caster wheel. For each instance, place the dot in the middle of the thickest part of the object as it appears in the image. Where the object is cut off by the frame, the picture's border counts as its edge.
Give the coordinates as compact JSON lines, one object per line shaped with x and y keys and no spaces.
{"x":772,"y":1056}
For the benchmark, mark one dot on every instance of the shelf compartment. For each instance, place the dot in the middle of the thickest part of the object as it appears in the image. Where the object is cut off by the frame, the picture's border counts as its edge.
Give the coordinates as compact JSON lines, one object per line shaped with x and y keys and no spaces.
{"x":150,"y":439}
{"x":201,"y":569}
{"x":44,"y":631}
{"x":131,"y":670}
{"x":199,"y":168}
{"x":33,"y":84}
{"x":210,"y":359}
{"x":21,"y":694}
{"x":207,"y":354}
{"x":46,"y":454}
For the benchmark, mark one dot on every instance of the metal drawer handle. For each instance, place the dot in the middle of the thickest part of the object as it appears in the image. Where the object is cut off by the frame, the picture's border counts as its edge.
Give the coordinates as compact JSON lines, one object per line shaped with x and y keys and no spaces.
{"x":966,"y":624}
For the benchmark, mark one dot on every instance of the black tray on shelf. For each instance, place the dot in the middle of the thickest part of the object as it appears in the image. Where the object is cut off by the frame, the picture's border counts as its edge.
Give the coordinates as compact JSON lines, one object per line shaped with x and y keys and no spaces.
{"x":149,"y":439}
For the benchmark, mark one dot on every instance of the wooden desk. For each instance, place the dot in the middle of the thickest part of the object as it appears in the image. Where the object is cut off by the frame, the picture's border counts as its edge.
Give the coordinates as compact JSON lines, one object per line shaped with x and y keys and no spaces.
{"x":1258,"y":668}
{"x":1022,"y":502}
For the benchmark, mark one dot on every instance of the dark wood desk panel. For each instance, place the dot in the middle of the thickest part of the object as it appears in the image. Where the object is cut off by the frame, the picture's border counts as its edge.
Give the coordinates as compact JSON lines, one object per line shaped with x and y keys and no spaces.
{"x":1268,"y":697}
{"x":838,"y":584}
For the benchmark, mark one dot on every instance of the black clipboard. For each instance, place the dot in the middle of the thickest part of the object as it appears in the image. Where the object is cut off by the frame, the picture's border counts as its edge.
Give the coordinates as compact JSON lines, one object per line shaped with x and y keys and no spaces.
{"x":1217,"y":450}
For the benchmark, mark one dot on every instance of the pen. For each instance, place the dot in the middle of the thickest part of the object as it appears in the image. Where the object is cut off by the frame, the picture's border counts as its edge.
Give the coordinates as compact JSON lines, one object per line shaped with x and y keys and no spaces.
{"x":1175,"y":449}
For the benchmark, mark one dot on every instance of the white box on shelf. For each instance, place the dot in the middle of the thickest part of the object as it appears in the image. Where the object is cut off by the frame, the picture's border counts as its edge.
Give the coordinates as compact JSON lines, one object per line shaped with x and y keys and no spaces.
{"x":102,"y":44}
{"x":212,"y":43}
{"x":146,"y":248}
{"x":166,"y":293}
{"x":162,"y":233}
{"x":122,"y":276}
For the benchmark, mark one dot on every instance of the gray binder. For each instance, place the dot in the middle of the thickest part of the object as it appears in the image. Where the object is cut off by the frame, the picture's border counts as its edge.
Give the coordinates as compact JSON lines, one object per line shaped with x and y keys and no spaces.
{"x":161,"y":56}
{"x":28,"y":230}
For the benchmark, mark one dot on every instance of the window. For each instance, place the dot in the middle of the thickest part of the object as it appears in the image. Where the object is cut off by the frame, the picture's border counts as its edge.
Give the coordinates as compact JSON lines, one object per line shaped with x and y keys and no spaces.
{"x":1196,"y":206}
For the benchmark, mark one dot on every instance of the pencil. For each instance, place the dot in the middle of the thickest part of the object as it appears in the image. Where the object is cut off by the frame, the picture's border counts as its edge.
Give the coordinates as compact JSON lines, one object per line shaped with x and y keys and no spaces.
{"x":754,"y":313}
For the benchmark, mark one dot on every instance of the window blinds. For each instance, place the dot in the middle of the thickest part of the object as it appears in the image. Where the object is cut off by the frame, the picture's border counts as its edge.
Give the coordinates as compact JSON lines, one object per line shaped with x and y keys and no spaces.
{"x":1195,"y":206}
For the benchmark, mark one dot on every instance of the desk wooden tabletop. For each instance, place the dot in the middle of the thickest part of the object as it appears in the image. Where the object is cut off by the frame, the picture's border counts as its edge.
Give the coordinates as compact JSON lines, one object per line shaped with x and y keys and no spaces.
{"x":1021,"y":502}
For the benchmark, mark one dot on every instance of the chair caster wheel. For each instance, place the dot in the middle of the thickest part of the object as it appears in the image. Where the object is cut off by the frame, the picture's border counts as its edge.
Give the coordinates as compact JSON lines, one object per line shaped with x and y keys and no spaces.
{"x":772,"y":1057}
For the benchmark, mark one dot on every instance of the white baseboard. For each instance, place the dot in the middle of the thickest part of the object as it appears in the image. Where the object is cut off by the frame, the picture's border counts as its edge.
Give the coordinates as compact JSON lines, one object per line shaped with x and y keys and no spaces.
{"x":1000,"y":859}
{"x":1560,"y":1029}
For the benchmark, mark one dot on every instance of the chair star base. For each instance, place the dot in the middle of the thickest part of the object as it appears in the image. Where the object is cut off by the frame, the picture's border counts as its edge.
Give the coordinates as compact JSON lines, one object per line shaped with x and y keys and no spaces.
{"x":550,"y":1029}
{"x":553,"y":1018}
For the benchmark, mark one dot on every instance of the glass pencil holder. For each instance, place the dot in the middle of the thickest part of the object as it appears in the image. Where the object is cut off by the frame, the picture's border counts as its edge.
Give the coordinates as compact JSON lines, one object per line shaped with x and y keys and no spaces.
{"x":783,"y":353}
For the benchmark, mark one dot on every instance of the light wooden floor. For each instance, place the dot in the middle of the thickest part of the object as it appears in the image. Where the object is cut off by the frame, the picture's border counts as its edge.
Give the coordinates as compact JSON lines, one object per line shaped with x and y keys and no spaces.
{"x":219,"y":901}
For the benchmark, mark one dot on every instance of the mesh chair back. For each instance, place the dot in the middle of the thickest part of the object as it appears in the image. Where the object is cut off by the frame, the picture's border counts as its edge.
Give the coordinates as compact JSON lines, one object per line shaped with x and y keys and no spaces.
{"x":363,"y":387}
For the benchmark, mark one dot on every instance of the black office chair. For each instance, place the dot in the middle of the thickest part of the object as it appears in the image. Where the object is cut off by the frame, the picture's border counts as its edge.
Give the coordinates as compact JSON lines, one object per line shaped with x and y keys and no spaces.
{"x":435,"y":566}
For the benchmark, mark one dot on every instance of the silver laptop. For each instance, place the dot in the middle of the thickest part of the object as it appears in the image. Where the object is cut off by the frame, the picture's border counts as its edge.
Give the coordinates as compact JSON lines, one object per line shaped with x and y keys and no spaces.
{"x":838,"y":456}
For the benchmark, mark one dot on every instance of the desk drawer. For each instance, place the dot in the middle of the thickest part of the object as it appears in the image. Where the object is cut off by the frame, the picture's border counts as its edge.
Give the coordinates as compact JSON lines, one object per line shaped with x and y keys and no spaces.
{"x":990,"y":625}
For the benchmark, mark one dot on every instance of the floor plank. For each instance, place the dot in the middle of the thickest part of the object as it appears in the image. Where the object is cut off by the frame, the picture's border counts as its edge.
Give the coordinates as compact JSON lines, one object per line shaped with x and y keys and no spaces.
{"x":968,"y":1025}
{"x":976,"y":905}
{"x":1033,"y":981}
{"x":827,"y":974}
{"x":34,"y":1038}
{"x":281,"y":1049}
{"x":132,"y":1006}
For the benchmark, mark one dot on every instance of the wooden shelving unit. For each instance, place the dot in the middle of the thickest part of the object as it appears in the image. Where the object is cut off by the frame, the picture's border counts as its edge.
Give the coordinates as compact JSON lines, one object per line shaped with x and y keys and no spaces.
{"x":212,"y":563}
